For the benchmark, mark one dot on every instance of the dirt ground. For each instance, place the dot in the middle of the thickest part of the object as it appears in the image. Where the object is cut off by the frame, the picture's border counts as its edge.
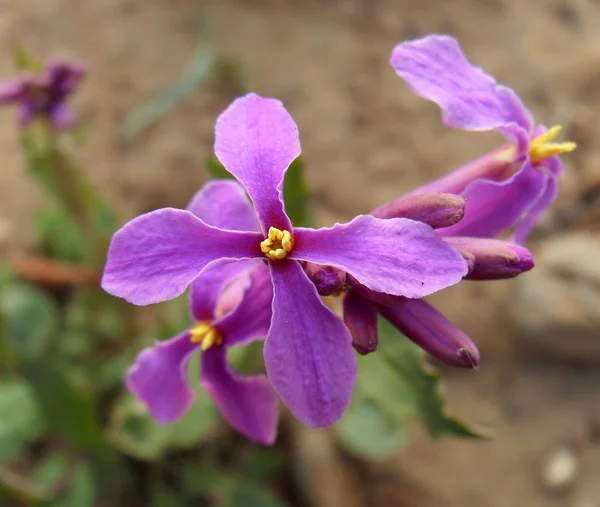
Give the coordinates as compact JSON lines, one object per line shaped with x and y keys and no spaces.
{"x":366,"y":139}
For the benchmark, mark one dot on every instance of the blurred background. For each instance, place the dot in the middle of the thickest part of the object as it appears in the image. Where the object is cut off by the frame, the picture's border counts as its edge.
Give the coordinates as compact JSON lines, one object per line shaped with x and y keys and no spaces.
{"x":159,"y":73}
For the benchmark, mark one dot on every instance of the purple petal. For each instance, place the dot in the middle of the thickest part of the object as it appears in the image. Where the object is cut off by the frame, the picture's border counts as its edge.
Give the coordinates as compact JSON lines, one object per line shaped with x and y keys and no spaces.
{"x":11,"y":91}
{"x":156,"y":256}
{"x":159,"y":378}
{"x":256,"y":140}
{"x":248,"y":404}
{"x":436,"y":69}
{"x":493,"y":207}
{"x":251,"y":319}
{"x":360,"y":315}
{"x":433,"y":332}
{"x":497,"y":165}
{"x":308,"y":353}
{"x":207,"y":289}
{"x":224,"y":204}
{"x":538,"y":210}
{"x":27,"y":112}
{"x":395,"y":256}
{"x":62,"y":116}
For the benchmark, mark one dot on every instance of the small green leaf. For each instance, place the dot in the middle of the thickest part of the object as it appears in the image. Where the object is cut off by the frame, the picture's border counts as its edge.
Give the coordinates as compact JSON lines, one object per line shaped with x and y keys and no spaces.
{"x":367,"y":431}
{"x":82,"y":488}
{"x":59,"y":237}
{"x":50,"y":471}
{"x":31,"y":319}
{"x":228,"y":489}
{"x":69,"y":409}
{"x":134,"y":432}
{"x":21,"y":420}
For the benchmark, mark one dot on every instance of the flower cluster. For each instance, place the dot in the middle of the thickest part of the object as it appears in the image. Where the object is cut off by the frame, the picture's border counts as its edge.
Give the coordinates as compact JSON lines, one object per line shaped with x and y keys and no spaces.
{"x":254,"y":275}
{"x":45,"y":95}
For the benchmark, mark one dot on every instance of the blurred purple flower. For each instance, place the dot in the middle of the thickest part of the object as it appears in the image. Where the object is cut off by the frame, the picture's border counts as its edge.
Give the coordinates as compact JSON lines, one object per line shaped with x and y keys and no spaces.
{"x":308,"y":352}
{"x":512,"y":186}
{"x":45,"y":95}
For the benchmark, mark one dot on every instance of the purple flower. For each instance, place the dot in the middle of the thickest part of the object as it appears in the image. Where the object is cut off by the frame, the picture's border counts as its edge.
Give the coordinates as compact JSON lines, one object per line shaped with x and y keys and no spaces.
{"x":512,"y":186}
{"x":231,"y":305}
{"x":308,"y":351}
{"x":46,"y":94}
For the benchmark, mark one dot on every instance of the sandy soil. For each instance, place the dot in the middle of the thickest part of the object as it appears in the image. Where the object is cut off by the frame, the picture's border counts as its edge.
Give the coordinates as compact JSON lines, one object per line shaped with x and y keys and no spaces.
{"x":366,"y":139}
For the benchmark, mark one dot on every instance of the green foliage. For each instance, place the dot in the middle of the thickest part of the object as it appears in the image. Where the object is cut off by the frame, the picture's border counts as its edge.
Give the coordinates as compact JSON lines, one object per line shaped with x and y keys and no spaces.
{"x":21,"y":421}
{"x":228,"y":489}
{"x":69,"y":408}
{"x":395,"y":387}
{"x":31,"y":319}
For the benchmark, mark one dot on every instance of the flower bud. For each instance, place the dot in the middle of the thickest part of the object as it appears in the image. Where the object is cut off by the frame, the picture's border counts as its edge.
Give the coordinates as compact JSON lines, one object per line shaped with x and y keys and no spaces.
{"x":435,"y":209}
{"x":492,"y":259}
{"x":433,"y":332}
{"x":328,"y":280}
{"x":360,"y":315}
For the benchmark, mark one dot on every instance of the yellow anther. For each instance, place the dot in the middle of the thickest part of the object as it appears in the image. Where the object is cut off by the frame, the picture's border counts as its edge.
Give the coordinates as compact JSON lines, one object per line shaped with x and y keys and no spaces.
{"x":278,"y":244}
{"x":541,"y":147}
{"x":205,"y":334}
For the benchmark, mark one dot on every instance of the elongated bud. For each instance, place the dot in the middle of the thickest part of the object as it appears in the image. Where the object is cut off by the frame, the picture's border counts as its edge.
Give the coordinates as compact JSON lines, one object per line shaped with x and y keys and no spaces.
{"x":435,"y":209}
{"x":433,"y":332}
{"x":492,"y":259}
{"x":497,"y":165}
{"x":327,"y":280}
{"x":380,"y":298}
{"x":360,"y":315}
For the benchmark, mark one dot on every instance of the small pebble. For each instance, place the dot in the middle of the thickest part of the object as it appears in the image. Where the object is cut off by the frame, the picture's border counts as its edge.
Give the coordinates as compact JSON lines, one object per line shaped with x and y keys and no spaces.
{"x":559,"y":470}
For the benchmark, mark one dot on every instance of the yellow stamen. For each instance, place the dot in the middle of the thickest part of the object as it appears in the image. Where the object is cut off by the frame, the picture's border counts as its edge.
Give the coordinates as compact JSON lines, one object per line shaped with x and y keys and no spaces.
{"x":278,"y":244}
{"x":541,"y":147}
{"x":206,"y":334}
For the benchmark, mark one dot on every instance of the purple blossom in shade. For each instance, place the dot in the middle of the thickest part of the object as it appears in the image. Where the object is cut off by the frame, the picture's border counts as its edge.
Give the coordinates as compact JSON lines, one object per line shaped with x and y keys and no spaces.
{"x":45,"y":95}
{"x":231,"y":305}
{"x":159,"y":374}
{"x":510,"y":187}
{"x":308,"y":352}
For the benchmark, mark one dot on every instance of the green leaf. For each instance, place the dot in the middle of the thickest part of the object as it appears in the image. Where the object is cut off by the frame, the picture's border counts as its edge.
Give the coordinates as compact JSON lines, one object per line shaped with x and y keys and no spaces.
{"x":59,"y":237}
{"x":31,"y":319}
{"x":51,"y":471}
{"x":69,"y":409}
{"x":295,"y":191}
{"x":398,"y":383}
{"x":199,"y":67}
{"x":365,"y":430}
{"x":228,"y":489}
{"x":82,"y":489}
{"x":134,"y":432}
{"x":21,"y":420}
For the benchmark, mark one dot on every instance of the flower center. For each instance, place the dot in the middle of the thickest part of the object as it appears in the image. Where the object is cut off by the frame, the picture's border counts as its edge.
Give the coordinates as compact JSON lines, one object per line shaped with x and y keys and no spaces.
{"x":278,"y":244}
{"x":541,"y":147}
{"x":205,"y":334}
